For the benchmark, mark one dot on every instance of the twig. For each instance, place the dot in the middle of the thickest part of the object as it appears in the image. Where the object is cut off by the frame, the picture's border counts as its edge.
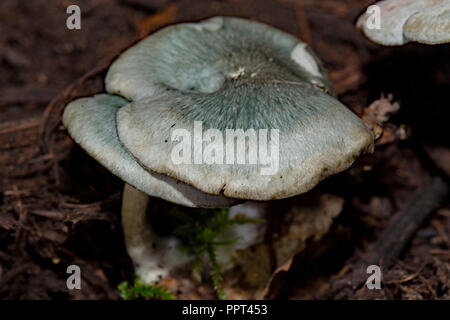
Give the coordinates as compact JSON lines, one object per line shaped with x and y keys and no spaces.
{"x":302,"y":18}
{"x":12,"y":95}
{"x":398,"y":234}
{"x":394,"y":239}
{"x":442,"y":233}
{"x":13,"y":274}
{"x":408,"y":277}
{"x":56,"y":215}
{"x":19,"y":126}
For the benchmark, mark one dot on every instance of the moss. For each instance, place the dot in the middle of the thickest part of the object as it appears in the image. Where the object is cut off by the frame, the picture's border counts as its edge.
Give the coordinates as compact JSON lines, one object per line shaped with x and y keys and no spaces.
{"x":198,"y":234}
{"x":141,"y":290}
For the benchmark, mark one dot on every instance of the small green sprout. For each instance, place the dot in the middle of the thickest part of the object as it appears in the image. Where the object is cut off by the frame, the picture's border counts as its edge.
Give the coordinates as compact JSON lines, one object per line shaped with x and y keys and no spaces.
{"x":141,"y":290}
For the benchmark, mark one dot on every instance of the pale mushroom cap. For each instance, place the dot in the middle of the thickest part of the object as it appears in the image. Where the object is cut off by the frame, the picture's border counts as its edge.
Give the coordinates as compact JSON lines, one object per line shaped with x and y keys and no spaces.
{"x":430,"y":26}
{"x":92,"y":124}
{"x":393,"y":15}
{"x":229,"y":73}
{"x":425,"y":21}
{"x":200,"y":57}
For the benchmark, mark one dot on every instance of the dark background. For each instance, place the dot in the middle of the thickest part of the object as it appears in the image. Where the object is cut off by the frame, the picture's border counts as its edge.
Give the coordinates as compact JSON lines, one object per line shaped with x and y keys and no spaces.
{"x":59,"y":207}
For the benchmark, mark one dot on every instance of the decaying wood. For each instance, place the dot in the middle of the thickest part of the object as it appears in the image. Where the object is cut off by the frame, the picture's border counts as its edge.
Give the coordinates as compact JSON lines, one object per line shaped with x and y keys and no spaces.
{"x":394,"y":239}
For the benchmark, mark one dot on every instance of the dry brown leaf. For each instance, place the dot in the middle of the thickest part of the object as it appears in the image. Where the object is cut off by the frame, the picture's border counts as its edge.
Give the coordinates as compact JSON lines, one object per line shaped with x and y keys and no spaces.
{"x":259,"y":268}
{"x":376,"y":117}
{"x":158,"y":20}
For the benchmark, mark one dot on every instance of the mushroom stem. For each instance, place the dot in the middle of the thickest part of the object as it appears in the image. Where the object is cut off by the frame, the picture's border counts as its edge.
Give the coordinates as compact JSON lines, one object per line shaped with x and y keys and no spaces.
{"x":152,"y":255}
{"x":134,"y":221}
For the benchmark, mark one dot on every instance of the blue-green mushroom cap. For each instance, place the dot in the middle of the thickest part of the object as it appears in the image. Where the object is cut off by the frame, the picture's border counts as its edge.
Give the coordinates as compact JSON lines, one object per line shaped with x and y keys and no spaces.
{"x":92,"y":124}
{"x":192,"y":86}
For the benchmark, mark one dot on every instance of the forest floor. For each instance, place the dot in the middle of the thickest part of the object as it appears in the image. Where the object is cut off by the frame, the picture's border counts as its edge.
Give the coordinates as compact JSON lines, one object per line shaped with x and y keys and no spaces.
{"x":60,"y":207}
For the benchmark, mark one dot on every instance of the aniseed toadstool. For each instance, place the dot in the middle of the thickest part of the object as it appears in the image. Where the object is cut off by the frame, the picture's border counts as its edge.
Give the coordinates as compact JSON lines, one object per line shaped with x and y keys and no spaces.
{"x":401,"y":21}
{"x":225,"y":74}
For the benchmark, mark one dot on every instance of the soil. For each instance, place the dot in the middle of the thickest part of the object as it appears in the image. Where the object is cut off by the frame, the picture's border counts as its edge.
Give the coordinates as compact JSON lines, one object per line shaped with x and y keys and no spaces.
{"x":59,"y":207}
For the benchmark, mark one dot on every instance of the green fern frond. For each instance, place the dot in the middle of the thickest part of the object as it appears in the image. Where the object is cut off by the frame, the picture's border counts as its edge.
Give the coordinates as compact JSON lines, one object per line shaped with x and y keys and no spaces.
{"x":198,"y":233}
{"x":216,"y":274}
